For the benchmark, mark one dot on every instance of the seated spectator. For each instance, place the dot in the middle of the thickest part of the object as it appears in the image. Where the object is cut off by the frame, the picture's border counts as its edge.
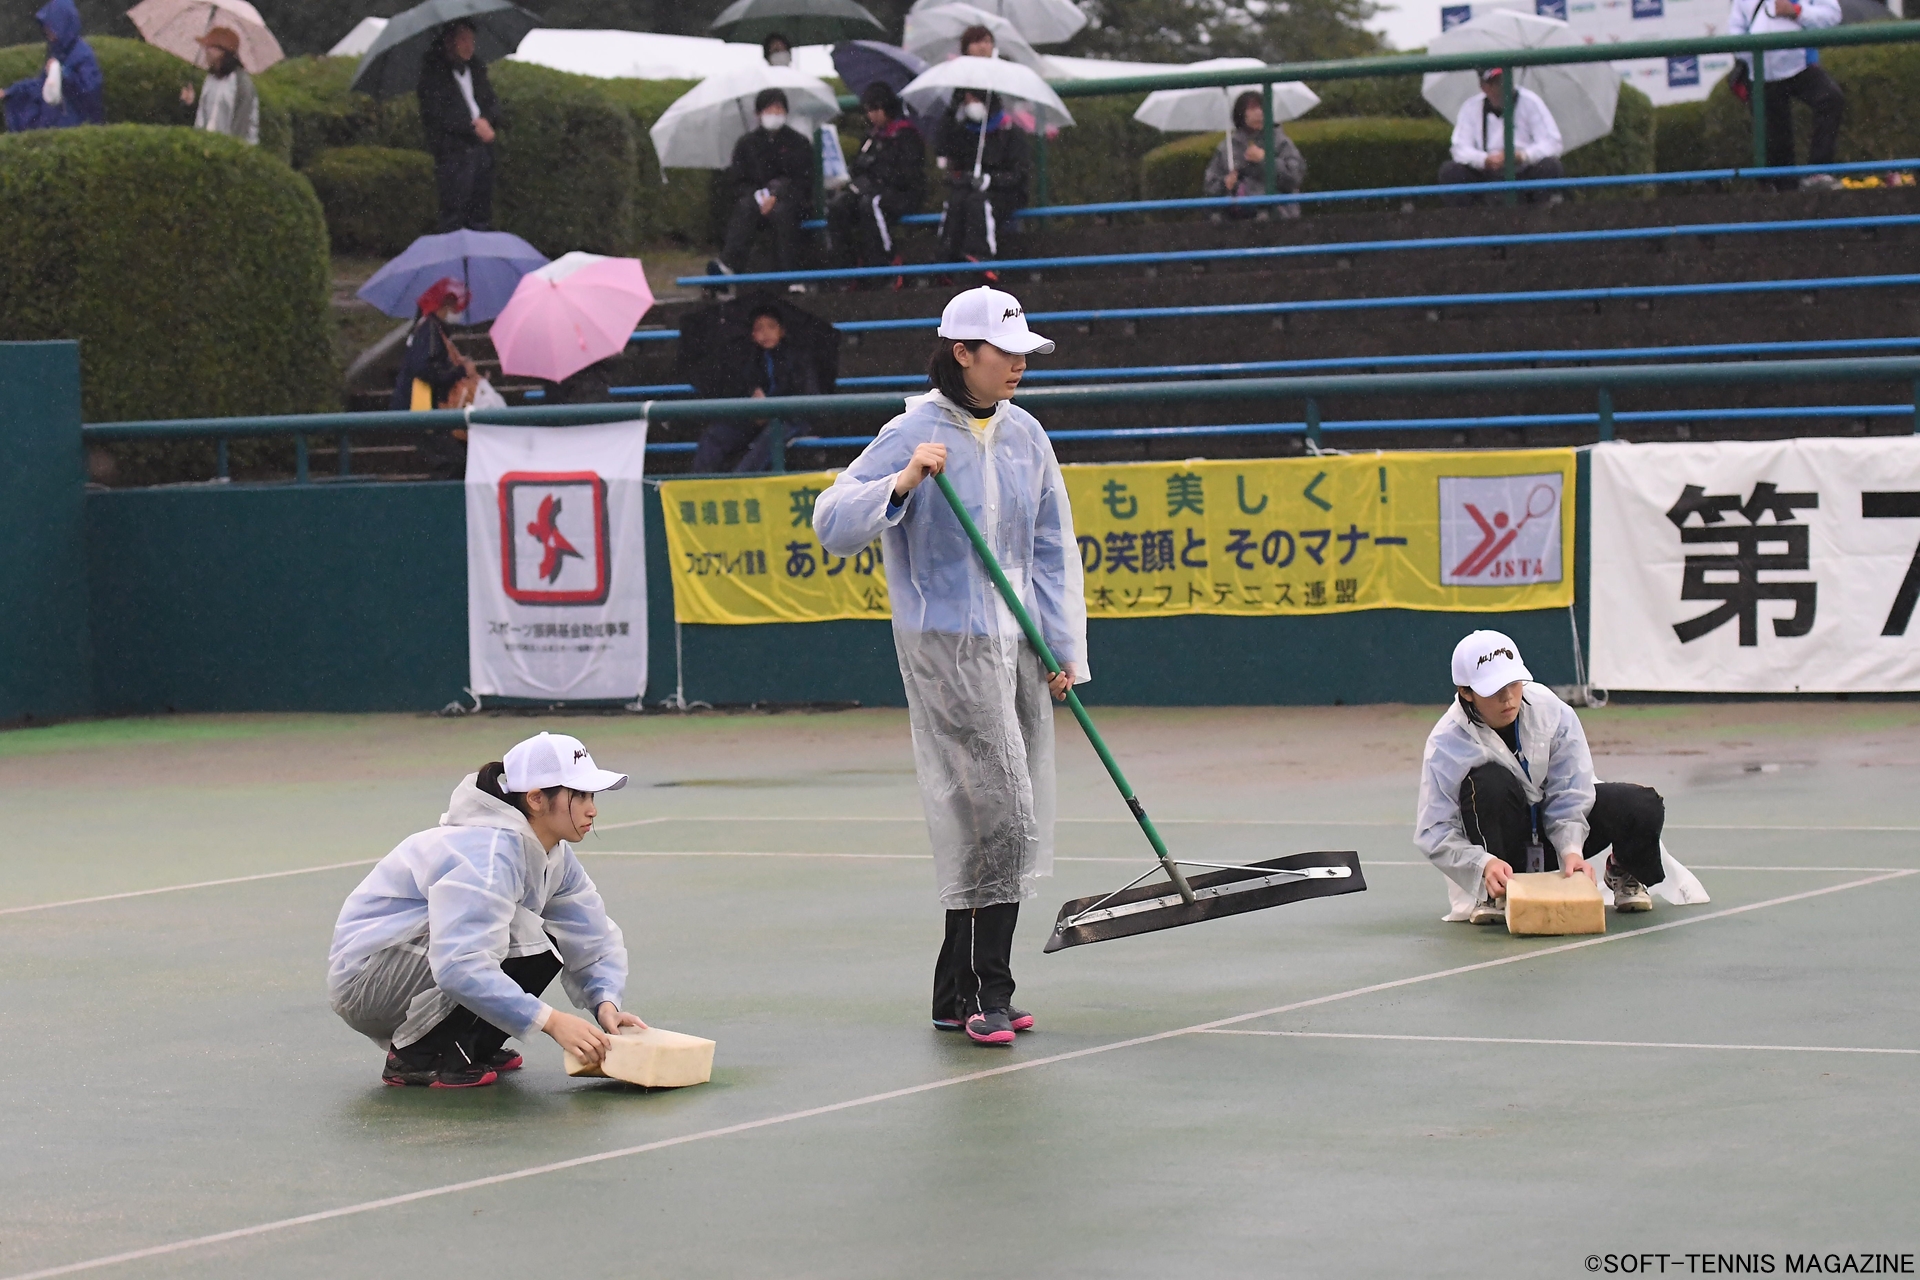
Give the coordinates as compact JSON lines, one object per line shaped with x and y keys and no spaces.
{"x":228,"y":103}
{"x":432,"y":370}
{"x":773,"y":170}
{"x":887,"y":180}
{"x":1479,"y":140}
{"x":1791,"y":74}
{"x":459,"y":114}
{"x":1239,"y":167}
{"x":68,"y":89}
{"x":777,"y":50}
{"x":986,"y":160}
{"x":775,"y":367}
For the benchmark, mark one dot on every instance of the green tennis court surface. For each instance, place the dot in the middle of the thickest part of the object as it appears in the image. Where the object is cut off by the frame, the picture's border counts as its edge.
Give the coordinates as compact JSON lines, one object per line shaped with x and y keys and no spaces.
{"x":1347,"y":1087}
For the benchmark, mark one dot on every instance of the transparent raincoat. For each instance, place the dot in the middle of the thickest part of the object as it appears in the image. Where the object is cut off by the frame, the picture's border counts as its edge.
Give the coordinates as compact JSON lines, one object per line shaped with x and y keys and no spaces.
{"x":977,"y":699}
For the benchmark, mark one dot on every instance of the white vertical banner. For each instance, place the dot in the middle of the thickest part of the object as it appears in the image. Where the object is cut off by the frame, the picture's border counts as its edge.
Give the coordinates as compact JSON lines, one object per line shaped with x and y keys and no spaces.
{"x":556,"y":562}
{"x":1780,"y":566}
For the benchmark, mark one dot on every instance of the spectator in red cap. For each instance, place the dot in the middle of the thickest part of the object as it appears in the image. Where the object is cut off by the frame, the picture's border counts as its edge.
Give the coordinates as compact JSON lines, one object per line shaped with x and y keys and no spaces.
{"x":228,"y":103}
{"x":432,"y":368}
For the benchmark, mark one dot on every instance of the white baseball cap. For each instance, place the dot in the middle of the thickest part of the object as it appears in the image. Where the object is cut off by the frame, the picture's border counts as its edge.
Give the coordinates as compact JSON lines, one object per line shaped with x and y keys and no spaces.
{"x":1487,"y":662}
{"x":995,"y":316}
{"x":555,"y":760}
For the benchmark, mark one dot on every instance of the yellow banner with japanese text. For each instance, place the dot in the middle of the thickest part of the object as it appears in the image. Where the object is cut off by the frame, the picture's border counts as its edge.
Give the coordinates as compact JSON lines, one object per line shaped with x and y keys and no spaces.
{"x":743,"y":551}
{"x":1476,"y":531}
{"x":1327,"y":534}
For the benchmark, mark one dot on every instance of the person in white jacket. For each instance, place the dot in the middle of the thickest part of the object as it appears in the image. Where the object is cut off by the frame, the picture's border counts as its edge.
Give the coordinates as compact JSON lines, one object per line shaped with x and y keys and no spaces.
{"x":1480,"y":139}
{"x":1791,"y":74}
{"x":976,"y":689}
{"x":441,"y":954}
{"x":1507,"y":785}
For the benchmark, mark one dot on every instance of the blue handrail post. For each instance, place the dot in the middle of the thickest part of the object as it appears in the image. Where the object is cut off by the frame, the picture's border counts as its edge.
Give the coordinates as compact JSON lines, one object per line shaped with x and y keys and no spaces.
{"x":220,"y":458}
{"x":1269,"y":167}
{"x":300,"y":459}
{"x":1606,"y":415}
{"x":1313,"y":425}
{"x":1509,"y":96}
{"x":346,"y":456}
{"x":1916,"y":406}
{"x":1757,"y":99}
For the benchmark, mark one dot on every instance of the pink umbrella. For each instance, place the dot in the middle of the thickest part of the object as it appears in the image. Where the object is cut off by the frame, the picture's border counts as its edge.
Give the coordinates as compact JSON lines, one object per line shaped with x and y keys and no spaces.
{"x":576,"y":310}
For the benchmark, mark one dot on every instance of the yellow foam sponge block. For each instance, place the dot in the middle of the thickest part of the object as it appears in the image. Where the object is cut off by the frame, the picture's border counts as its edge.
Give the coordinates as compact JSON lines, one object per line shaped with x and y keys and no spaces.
{"x":652,"y":1057}
{"x":1549,"y":903}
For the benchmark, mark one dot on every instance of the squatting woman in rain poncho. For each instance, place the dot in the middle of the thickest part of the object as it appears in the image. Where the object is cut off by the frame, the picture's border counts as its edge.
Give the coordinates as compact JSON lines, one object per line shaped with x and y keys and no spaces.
{"x":976,"y":689}
{"x":443,"y":951}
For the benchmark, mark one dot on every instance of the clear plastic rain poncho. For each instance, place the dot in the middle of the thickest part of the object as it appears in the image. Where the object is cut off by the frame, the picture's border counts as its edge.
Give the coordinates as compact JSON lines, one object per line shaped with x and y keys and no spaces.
{"x":977,"y":699}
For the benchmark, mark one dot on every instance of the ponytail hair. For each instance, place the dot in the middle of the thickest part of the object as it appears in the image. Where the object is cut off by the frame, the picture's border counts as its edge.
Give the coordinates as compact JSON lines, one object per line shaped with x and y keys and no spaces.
{"x":492,"y":780}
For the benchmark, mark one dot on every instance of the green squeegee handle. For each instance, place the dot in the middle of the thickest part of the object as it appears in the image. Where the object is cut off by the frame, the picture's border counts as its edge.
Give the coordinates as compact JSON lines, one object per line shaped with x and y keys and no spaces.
{"x":1026,"y":622}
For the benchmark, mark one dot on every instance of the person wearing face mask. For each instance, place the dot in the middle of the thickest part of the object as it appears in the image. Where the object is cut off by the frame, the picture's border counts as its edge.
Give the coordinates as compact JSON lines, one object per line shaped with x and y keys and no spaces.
{"x":986,"y":161}
{"x":442,"y":952}
{"x":69,"y":89}
{"x":776,"y":50}
{"x":461,"y":117}
{"x":977,"y":692}
{"x":227,"y":101}
{"x":772,"y":169}
{"x":887,"y":180}
{"x":1507,"y":785}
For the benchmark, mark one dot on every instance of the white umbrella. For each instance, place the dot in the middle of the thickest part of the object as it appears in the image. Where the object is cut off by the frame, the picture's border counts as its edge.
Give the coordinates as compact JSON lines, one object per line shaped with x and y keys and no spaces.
{"x":1040,"y":21}
{"x":358,"y":40}
{"x":1581,"y":95}
{"x":176,"y":25}
{"x":932,"y":89}
{"x":934,"y":34}
{"x":1204,"y":110}
{"x":698,"y":131}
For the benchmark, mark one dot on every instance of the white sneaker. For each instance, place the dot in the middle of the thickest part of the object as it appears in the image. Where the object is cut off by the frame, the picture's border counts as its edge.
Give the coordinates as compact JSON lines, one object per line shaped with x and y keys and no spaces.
{"x":1628,"y":894}
{"x":1820,"y":182}
{"x":1489,"y":911}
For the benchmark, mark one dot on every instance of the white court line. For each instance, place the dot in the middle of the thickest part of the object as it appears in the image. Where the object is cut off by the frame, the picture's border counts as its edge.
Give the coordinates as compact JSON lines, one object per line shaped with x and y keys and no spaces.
{"x":1588,"y":1044}
{"x":534,"y":1171}
{"x":176,"y":888}
{"x":1203,"y":822}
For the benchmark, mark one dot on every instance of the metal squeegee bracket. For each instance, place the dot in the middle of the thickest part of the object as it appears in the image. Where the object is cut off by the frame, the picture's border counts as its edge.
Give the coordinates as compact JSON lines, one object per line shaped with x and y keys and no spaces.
{"x":1097,"y":913}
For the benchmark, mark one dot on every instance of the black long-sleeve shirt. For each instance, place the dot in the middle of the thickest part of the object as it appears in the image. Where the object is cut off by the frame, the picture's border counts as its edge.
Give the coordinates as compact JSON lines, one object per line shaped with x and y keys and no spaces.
{"x":780,"y":160}
{"x":1005,"y":158}
{"x":444,"y":115}
{"x":892,"y":162}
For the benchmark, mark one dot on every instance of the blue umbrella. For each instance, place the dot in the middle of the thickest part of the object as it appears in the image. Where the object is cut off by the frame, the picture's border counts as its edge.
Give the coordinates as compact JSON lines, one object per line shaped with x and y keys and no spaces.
{"x":861,"y":62}
{"x":489,"y":263}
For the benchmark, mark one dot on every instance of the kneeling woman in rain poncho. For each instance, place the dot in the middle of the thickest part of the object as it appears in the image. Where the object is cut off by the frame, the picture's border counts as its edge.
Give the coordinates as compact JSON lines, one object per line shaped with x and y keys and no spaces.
{"x":977,"y":692}
{"x":442,"y":952}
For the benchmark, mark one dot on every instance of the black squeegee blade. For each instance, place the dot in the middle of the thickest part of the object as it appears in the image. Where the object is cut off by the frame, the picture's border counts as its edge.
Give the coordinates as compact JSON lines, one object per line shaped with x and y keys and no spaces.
{"x":1178,"y":913}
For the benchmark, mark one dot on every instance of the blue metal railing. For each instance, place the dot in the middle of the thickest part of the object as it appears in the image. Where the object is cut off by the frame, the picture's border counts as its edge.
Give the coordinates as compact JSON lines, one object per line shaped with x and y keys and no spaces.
{"x":1749,"y":173}
{"x":1342,"y":248}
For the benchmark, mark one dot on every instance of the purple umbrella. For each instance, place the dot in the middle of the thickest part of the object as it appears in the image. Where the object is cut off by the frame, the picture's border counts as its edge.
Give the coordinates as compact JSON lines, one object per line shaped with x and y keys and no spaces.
{"x":489,"y":263}
{"x":861,"y":62}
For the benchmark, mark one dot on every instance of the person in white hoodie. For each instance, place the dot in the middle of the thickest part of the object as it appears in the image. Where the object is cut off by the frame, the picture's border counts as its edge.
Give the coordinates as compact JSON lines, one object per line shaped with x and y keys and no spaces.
{"x":1507,"y":785}
{"x":441,"y":954}
{"x":976,"y":689}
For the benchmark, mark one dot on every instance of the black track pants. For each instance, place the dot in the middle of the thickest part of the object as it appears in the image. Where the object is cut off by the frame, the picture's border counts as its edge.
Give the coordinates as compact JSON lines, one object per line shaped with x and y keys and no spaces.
{"x":1493,"y":808}
{"x":975,"y":970}
{"x":1823,"y":97}
{"x":468,"y":1032}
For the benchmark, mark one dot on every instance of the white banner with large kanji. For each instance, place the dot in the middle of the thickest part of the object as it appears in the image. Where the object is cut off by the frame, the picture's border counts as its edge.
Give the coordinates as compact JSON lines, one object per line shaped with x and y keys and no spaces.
{"x":556,"y":562}
{"x":1780,"y":566}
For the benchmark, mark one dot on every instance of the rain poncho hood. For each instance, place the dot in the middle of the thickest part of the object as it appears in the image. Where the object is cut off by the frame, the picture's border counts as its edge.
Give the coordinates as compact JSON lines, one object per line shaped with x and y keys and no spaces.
{"x":1554,"y":768}
{"x":976,"y":694}
{"x":477,"y":889}
{"x":75,"y":98}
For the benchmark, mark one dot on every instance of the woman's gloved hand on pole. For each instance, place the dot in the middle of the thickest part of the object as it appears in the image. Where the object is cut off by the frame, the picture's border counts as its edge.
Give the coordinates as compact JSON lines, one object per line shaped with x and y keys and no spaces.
{"x":927,"y":460}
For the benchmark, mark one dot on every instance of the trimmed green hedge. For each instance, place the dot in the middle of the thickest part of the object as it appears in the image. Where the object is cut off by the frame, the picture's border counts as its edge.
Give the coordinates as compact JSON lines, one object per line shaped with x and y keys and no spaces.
{"x":312,"y":94}
{"x":1882,"y":120}
{"x":377,"y":199}
{"x":1378,"y":96}
{"x":1630,"y":148}
{"x":206,"y":294}
{"x":143,"y":86}
{"x":1678,"y":144}
{"x":1345,"y":154}
{"x":676,"y":209}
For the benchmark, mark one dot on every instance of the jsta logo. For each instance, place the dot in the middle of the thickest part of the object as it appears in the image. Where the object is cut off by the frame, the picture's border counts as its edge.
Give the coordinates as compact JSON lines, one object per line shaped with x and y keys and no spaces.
{"x":1497,"y":530}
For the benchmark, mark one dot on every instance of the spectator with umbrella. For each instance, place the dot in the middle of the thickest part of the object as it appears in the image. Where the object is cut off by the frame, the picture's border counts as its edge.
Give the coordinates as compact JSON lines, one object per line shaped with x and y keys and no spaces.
{"x":1479,"y":138}
{"x":1239,"y":167}
{"x":458,"y":111}
{"x":887,"y":180}
{"x":769,"y":365}
{"x":487,"y":264}
{"x":228,"y":102}
{"x":772,"y":169}
{"x":795,"y":22}
{"x":69,"y":89}
{"x":777,"y":50}
{"x":987,"y":163}
{"x":432,"y":370}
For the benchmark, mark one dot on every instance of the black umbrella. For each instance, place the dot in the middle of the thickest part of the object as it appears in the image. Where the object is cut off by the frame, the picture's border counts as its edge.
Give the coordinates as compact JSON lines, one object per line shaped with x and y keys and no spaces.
{"x":861,"y":62}
{"x":716,"y":352}
{"x":800,"y":21}
{"x":392,"y":65}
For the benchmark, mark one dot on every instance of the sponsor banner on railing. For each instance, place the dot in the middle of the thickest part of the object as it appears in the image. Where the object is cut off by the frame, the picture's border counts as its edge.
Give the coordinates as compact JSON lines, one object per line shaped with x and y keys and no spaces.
{"x":1785,"y":566}
{"x":743,"y":551}
{"x":1485,"y":532}
{"x":556,"y":562}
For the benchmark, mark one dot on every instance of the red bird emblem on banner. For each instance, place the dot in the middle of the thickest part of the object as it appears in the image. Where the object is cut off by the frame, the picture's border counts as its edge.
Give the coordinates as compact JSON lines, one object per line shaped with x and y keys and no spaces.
{"x":546,"y":528}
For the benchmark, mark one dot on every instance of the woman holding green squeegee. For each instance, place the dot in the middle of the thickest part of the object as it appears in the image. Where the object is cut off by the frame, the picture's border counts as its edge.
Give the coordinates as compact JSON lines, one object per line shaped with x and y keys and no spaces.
{"x":976,"y":687}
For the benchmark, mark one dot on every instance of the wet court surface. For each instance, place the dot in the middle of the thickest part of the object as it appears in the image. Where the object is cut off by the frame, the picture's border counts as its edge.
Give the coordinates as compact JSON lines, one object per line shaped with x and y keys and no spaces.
{"x":1342,"y":1087}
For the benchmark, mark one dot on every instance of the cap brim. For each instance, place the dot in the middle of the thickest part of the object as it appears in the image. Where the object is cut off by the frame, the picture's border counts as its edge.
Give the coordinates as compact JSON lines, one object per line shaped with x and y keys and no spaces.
{"x":1498,"y":676}
{"x":1035,"y":345}
{"x":597,"y":780}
